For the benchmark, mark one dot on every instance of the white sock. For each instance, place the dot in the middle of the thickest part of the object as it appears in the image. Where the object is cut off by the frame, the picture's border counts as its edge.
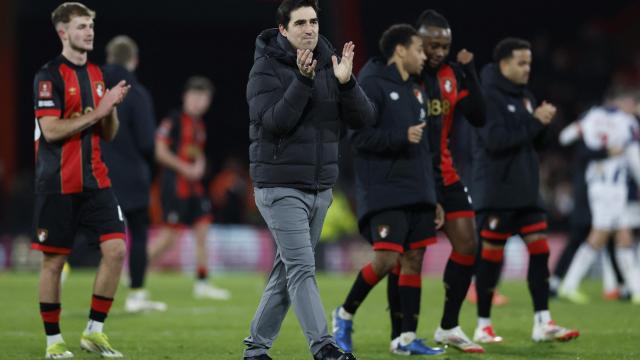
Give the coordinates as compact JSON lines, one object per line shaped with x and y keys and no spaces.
{"x":407,"y":338}
{"x":629,"y":268}
{"x":94,"y":326}
{"x":484,"y":322}
{"x":542,"y":317}
{"x":579,"y":266}
{"x":138,"y":294}
{"x":343,"y":314}
{"x":554,"y":282}
{"x":609,"y":281}
{"x":54,"y":339}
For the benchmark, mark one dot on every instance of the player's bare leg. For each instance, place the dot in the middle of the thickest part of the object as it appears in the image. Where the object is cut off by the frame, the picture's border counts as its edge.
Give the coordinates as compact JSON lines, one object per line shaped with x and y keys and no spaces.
{"x":167,"y":237}
{"x":203,"y":289}
{"x":461,"y":233}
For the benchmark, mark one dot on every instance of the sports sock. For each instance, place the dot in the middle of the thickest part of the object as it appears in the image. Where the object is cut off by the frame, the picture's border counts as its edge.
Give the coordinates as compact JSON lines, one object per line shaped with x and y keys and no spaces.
{"x":581,"y":263}
{"x":410,"y":289}
{"x":100,"y":307}
{"x":365,"y":281}
{"x":457,"y":277}
{"x":538,"y":274}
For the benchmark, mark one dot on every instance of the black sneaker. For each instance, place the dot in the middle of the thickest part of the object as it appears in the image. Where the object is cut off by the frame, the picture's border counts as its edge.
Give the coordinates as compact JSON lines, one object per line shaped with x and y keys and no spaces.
{"x":259,"y":357}
{"x":331,"y":352}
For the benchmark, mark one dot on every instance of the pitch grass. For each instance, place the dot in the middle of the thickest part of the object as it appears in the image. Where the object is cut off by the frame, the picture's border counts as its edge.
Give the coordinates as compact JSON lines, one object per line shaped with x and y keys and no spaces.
{"x":201,"y":329}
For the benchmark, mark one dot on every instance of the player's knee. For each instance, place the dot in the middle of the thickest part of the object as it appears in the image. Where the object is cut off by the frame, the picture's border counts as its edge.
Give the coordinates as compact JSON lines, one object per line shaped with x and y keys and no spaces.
{"x":466,"y":245}
{"x":384,"y":261}
{"x":115,"y":251}
{"x":412,"y":261}
{"x":53,"y":263}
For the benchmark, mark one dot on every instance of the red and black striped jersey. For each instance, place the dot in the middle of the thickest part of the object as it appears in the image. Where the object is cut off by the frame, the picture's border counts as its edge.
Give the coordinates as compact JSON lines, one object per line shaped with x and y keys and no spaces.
{"x":65,"y":90}
{"x":445,"y":88}
{"x":186,"y":137}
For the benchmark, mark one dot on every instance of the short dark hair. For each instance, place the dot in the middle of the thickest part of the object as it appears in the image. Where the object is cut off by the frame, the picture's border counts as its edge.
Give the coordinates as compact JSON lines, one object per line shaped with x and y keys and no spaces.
{"x":121,"y":50}
{"x":399,"y":34}
{"x":199,"y":83}
{"x":505,"y":48}
{"x":283,"y":15}
{"x":431,"y":17}
{"x":616,"y":92}
{"x":68,"y":10}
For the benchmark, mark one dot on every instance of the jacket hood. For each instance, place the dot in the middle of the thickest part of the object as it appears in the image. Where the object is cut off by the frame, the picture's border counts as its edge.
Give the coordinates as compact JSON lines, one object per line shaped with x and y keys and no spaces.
{"x":270,"y":43}
{"x":491,"y":77}
{"x":377,"y":67}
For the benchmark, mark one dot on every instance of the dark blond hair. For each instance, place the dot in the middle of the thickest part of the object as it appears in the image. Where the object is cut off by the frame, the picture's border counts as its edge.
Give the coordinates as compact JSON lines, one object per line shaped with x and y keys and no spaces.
{"x":121,"y":50}
{"x":66,"y":11}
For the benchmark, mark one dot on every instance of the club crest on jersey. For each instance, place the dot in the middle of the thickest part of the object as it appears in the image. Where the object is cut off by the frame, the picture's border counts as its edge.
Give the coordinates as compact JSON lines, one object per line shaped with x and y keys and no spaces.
{"x":99,"y":88}
{"x":493,"y":222}
{"x":418,"y":95}
{"x":383,"y":231}
{"x":394,"y":96}
{"x":42,"y":235}
{"x":45,"y":90}
{"x":448,"y":86}
{"x":511,"y":108}
{"x":528,"y":105}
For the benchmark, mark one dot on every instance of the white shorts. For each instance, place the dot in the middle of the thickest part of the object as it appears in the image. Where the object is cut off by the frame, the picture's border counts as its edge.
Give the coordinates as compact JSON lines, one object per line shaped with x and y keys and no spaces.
{"x":608,"y":204}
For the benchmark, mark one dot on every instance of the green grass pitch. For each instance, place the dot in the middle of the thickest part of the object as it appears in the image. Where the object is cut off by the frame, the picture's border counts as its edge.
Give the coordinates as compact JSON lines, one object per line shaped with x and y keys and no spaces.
{"x":202,"y":329}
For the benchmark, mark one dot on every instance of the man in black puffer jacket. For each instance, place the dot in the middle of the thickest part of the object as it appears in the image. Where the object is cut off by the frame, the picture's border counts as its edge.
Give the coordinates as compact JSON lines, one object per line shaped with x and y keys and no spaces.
{"x":506,"y":186}
{"x":395,"y":187}
{"x":300,"y":97}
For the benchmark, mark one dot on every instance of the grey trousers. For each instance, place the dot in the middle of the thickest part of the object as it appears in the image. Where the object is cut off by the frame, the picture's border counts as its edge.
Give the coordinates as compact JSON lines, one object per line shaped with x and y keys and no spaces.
{"x":295,"y":219}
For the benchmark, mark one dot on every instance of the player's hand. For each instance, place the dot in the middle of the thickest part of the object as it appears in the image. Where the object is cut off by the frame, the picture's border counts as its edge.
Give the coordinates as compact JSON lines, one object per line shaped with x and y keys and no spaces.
{"x":545,"y":113}
{"x":111,"y":98}
{"x":464,"y":56}
{"x":439,"y":221}
{"x":306,"y":64}
{"x":414,"y":133}
{"x":342,"y":70}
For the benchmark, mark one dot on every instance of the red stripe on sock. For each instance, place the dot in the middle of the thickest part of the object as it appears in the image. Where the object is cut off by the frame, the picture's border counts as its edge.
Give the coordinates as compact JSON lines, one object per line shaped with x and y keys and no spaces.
{"x":369,"y":275}
{"x":534,"y":227}
{"x":493,"y":255}
{"x":203,"y":272}
{"x":51,"y":316}
{"x":410,"y":280}
{"x":464,"y":260}
{"x":538,"y":247}
{"x":101,"y":305}
{"x":494,"y":235}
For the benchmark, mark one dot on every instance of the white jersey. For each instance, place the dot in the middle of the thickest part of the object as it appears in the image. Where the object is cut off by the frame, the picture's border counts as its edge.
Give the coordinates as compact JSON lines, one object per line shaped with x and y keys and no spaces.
{"x":608,"y":128}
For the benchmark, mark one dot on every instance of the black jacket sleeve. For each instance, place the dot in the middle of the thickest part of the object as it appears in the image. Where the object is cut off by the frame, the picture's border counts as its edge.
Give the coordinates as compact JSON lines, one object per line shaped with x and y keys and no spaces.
{"x":355,"y":107}
{"x":497,"y":136}
{"x":472,"y":106}
{"x":373,"y":139}
{"x":144,"y":122}
{"x":278,"y":108}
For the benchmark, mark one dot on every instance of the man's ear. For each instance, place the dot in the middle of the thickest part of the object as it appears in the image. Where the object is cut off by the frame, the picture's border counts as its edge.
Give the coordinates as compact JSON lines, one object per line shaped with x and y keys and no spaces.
{"x":282,"y":30}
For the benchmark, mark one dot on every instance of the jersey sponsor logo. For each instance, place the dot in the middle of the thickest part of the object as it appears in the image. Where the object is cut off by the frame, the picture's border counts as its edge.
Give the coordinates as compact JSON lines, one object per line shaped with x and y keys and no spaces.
{"x":45,"y":90}
{"x":511,"y":108}
{"x":42,"y":234}
{"x":46,"y":103}
{"x":99,"y":88}
{"x":394,"y":96}
{"x":383,"y":231}
{"x":448,"y":86}
{"x":73,"y":91}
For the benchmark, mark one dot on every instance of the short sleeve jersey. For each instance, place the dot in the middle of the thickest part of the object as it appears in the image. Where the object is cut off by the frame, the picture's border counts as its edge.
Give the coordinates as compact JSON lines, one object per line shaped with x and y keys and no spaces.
{"x":72,"y":165}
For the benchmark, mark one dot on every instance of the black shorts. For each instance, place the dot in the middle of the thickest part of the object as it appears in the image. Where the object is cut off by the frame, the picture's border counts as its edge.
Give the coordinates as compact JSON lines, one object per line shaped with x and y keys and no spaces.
{"x":58,"y":218}
{"x":179,"y":212}
{"x":497,"y":226}
{"x":402,"y":229}
{"x":456,"y":201}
